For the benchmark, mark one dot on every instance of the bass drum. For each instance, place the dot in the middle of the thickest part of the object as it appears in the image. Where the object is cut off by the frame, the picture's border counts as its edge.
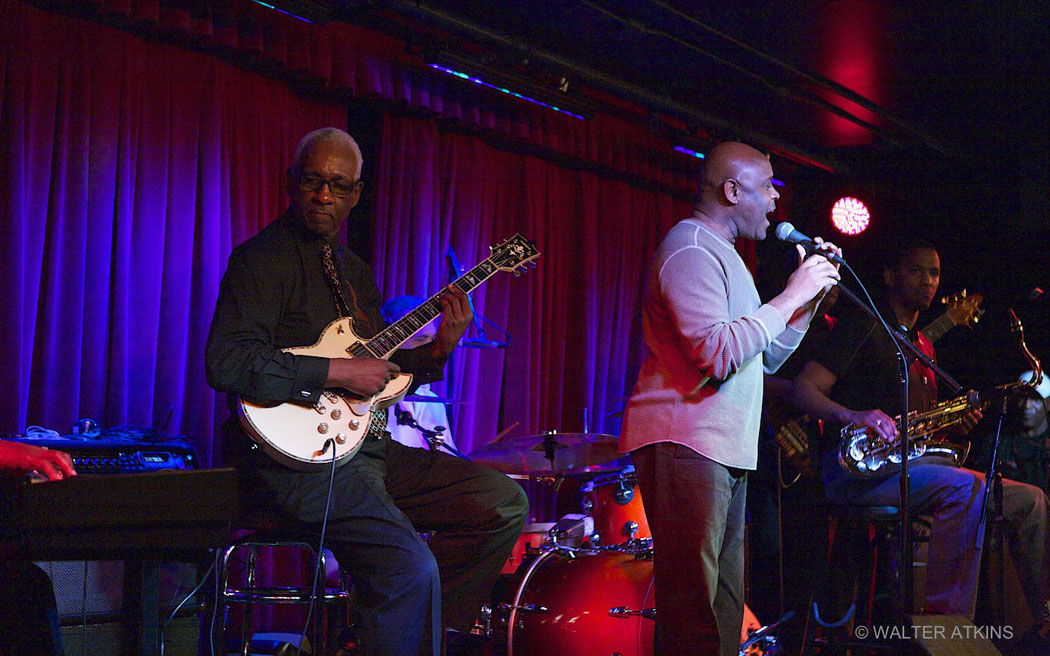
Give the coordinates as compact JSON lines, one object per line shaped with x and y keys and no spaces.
{"x":583,"y":601}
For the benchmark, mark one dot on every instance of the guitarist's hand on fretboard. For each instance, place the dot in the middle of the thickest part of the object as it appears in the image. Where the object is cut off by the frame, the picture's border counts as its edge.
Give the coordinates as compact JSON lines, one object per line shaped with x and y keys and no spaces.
{"x":363,"y":376}
{"x":456,"y":316}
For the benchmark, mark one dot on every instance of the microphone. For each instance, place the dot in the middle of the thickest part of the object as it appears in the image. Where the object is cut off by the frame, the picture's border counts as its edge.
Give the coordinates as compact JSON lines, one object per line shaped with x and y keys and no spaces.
{"x":786,"y":232}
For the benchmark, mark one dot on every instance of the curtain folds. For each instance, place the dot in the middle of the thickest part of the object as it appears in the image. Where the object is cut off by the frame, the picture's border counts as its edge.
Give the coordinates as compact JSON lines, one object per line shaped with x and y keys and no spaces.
{"x":128,"y":170}
{"x":573,"y":321}
{"x":362,"y":63}
{"x":130,"y":166}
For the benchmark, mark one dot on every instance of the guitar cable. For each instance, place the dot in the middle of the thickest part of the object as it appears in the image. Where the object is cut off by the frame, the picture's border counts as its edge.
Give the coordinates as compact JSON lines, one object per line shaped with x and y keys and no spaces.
{"x":171,"y":616}
{"x":330,"y":442}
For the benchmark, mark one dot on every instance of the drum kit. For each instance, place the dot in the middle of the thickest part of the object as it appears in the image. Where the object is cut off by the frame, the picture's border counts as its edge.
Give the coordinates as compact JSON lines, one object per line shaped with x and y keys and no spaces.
{"x":584,"y":584}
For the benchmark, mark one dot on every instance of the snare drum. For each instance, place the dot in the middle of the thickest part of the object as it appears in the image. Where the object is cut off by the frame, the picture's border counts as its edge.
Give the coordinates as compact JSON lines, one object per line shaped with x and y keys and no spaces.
{"x":615,"y":502}
{"x":583,"y":601}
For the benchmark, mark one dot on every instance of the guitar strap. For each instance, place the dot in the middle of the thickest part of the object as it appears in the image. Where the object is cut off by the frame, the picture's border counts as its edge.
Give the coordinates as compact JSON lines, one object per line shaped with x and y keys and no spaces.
{"x":352,"y":310}
{"x":345,"y":309}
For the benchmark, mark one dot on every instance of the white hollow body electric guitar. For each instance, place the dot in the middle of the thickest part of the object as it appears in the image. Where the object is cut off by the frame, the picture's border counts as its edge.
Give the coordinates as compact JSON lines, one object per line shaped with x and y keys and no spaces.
{"x":300,"y":436}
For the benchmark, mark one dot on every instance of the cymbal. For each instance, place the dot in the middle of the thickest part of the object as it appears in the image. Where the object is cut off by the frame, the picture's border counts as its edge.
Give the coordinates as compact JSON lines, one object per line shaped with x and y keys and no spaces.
{"x":574,"y":453}
{"x":419,"y":398}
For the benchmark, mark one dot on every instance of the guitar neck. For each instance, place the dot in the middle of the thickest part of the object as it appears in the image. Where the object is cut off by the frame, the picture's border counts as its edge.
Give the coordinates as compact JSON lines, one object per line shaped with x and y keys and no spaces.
{"x":397,"y":333}
{"x":937,"y":328}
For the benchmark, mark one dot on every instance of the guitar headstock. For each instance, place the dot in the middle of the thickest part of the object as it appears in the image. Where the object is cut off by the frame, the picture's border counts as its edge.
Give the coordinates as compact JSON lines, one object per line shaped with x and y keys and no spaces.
{"x":964,"y":309}
{"x":513,"y":254}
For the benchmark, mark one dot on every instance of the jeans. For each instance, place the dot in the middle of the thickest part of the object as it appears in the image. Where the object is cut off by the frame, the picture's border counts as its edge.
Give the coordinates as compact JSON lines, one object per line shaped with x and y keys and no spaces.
{"x":952,"y":496}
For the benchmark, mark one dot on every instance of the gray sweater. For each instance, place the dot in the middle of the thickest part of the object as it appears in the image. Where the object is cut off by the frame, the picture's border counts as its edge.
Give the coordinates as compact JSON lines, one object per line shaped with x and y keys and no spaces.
{"x":700,"y":384}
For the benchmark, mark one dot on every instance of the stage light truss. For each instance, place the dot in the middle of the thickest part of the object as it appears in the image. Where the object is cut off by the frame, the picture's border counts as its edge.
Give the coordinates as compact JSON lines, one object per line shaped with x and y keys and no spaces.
{"x":511,"y":83}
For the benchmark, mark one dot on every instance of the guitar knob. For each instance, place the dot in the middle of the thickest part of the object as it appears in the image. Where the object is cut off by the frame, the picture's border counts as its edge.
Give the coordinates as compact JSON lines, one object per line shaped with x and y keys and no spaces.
{"x":320,"y":409}
{"x":340,"y":438}
{"x":322,"y":428}
{"x":337,"y":413}
{"x":354,"y":424}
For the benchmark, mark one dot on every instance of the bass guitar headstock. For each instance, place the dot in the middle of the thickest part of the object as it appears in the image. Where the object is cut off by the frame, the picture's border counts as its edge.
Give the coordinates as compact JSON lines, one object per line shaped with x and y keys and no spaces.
{"x":964,"y":309}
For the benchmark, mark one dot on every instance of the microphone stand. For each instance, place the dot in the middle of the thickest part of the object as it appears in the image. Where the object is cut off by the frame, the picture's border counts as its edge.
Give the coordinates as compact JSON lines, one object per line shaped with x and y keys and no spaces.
{"x":993,"y":482}
{"x":906,"y":586}
{"x":433,"y":437}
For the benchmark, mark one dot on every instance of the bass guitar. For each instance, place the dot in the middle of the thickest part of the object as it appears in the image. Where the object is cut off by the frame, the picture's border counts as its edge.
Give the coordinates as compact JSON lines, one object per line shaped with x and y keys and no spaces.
{"x":962,"y":310}
{"x":301,"y":436}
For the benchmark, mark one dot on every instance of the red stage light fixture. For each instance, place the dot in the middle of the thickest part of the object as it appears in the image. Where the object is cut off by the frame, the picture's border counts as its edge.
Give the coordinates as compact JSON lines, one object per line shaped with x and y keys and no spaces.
{"x":850,"y":215}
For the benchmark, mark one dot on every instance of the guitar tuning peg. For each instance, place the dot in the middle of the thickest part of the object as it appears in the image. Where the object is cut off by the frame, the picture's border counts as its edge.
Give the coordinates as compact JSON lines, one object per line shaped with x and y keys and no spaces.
{"x":517,"y":273}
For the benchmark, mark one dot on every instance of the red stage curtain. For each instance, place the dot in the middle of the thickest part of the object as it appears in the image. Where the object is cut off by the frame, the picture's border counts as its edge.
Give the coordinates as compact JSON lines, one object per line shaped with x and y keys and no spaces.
{"x":361,"y":63}
{"x":128,"y":170}
{"x":574,"y":320}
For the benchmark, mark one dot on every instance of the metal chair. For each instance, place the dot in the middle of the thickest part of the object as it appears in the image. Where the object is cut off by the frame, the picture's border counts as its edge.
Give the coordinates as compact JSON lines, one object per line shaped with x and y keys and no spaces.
{"x":246,"y":550}
{"x":858,"y":537}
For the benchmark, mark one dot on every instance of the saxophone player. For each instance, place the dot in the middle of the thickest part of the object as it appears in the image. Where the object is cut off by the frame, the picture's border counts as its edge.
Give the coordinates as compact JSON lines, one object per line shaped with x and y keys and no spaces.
{"x":854,"y":379}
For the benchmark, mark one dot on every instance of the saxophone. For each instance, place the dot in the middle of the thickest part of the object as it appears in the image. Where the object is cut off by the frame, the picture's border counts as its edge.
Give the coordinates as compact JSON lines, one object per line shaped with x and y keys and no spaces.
{"x":864,"y":454}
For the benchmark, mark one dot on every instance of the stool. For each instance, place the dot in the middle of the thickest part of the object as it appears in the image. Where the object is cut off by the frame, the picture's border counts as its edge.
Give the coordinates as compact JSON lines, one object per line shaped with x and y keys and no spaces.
{"x":857,"y":536}
{"x":251,"y":593}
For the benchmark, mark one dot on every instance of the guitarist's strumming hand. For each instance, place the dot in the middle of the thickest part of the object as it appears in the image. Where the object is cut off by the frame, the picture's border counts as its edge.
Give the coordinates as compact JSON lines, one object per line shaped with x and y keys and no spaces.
{"x":362,"y":376}
{"x":456,"y":316}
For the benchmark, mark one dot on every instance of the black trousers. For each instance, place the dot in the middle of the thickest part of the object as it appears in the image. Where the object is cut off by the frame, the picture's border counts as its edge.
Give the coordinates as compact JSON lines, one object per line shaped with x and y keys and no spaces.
{"x":382,"y":499}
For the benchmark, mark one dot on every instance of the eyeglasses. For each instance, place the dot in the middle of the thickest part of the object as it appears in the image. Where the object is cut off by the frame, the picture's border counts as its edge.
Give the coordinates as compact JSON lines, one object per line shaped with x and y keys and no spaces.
{"x":338,"y":187}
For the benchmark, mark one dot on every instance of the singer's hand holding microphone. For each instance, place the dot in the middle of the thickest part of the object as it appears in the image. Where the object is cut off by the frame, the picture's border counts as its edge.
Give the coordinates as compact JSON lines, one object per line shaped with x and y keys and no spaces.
{"x":786,"y":232}
{"x":817,"y":272}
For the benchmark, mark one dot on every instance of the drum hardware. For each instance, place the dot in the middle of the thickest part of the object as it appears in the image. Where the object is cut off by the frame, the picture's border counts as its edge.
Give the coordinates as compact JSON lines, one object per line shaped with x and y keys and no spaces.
{"x":483,"y":623}
{"x":555,"y":480}
{"x":524,"y":608}
{"x":763,"y":641}
{"x":534,"y":538}
{"x":642,"y":548}
{"x":571,"y":530}
{"x":623,"y":493}
{"x":551,"y":453}
{"x":624,"y":612}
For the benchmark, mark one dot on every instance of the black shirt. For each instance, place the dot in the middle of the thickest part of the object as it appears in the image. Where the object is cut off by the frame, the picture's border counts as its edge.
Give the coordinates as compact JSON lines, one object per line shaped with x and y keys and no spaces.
{"x":864,"y":360}
{"x":275,"y":295}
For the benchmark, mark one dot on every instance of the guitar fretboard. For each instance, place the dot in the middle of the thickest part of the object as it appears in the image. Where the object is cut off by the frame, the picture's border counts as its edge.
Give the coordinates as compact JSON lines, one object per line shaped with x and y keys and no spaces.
{"x":938,"y":327}
{"x":397,"y":333}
